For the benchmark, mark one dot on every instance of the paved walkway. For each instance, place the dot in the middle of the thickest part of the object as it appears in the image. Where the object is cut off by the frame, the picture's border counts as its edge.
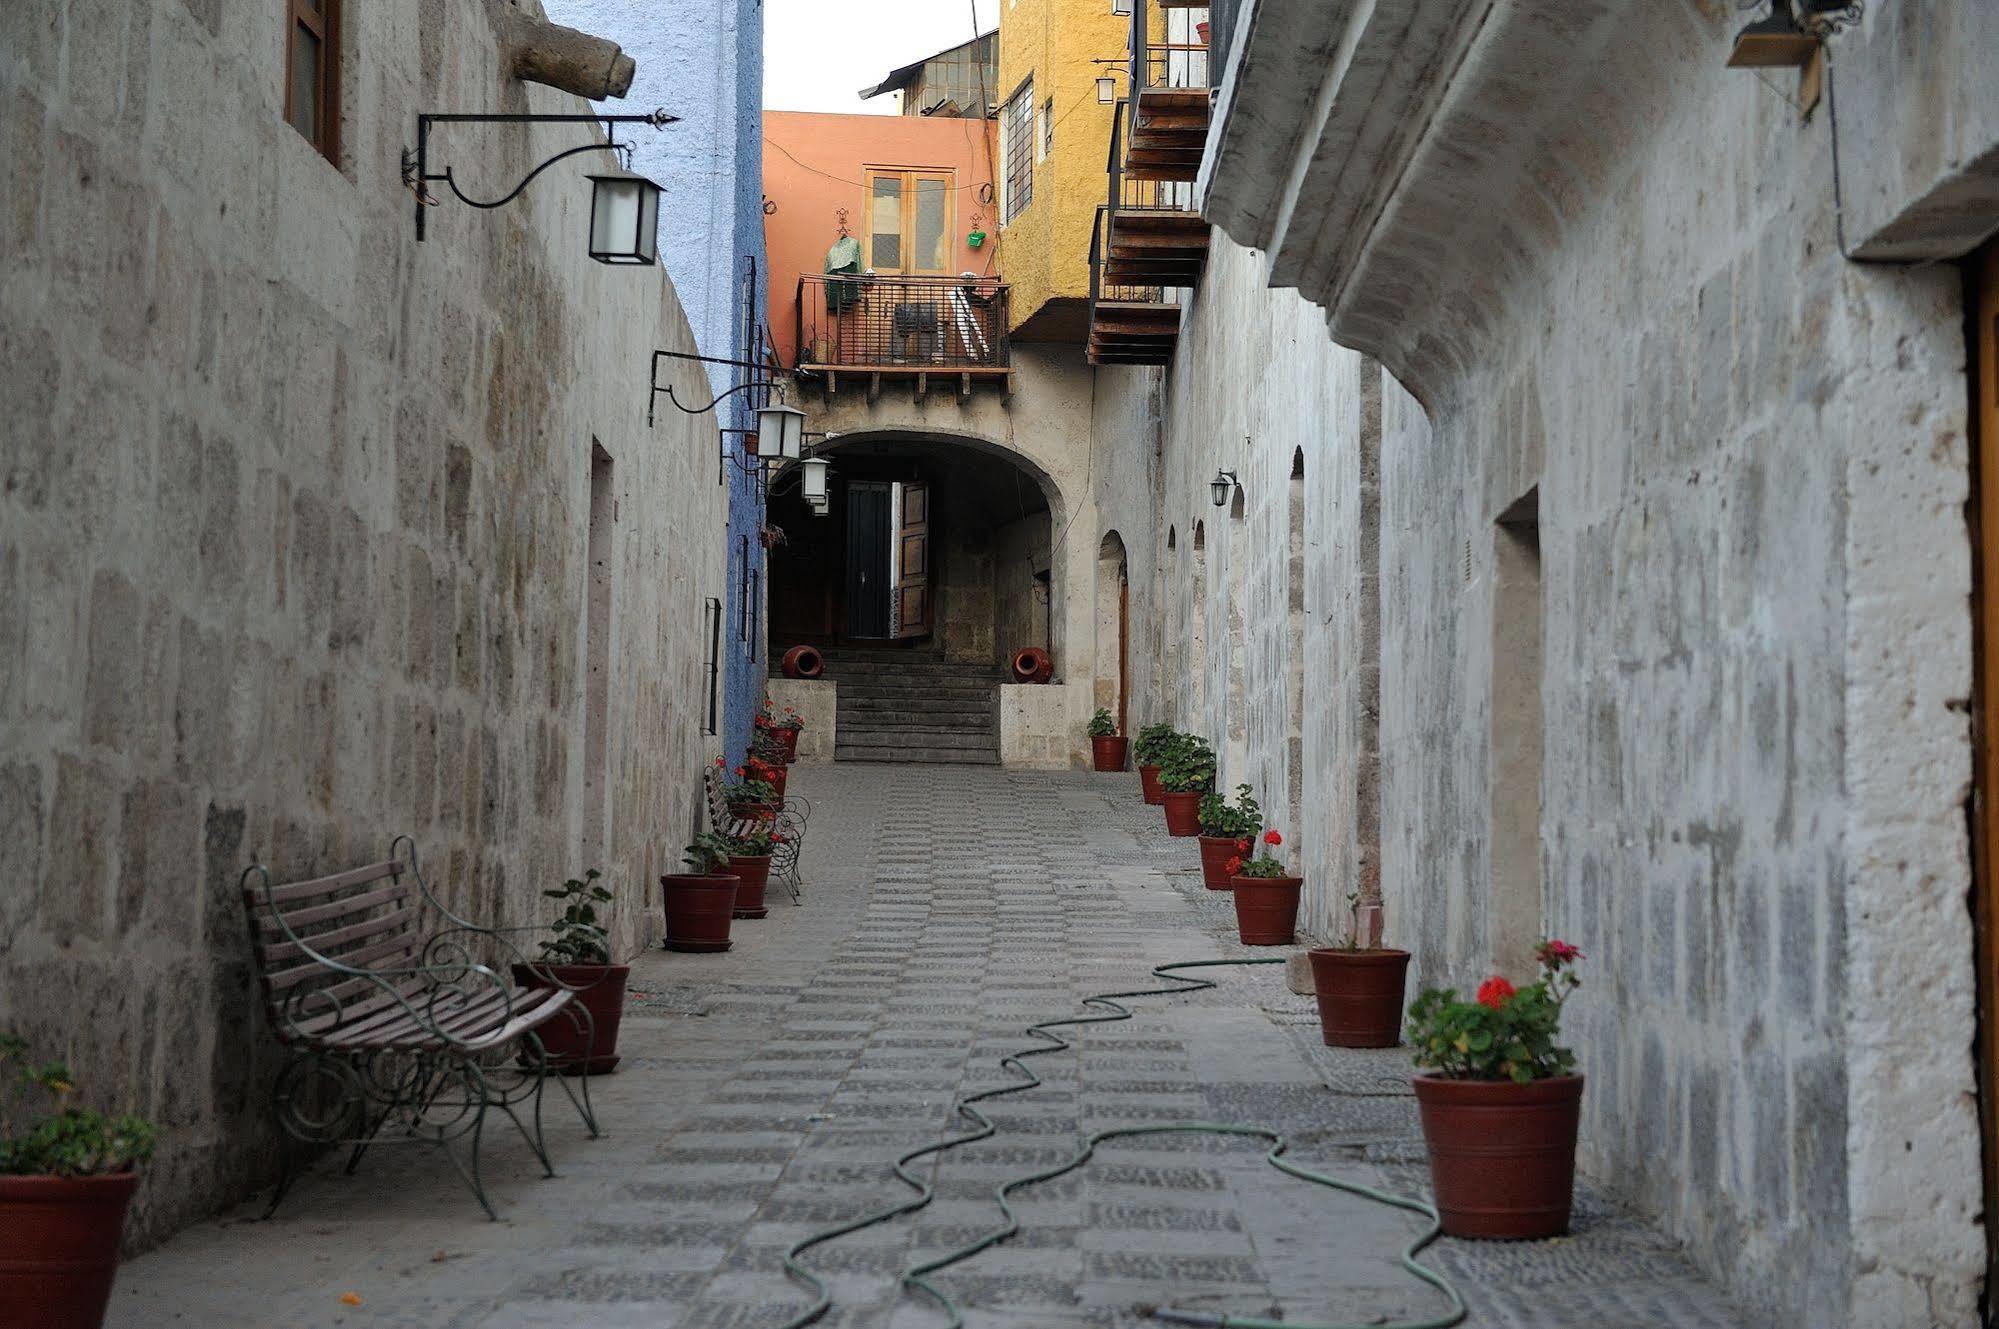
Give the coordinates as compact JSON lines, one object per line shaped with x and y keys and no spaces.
{"x":764,"y":1093}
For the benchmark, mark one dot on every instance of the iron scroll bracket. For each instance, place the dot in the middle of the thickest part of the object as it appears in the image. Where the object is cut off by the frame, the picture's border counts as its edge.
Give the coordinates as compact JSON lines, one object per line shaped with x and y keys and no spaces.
{"x":418,"y":175}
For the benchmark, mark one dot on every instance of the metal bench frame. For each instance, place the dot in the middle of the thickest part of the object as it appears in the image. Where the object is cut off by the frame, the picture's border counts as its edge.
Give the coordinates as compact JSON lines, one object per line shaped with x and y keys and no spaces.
{"x":793,"y":815}
{"x":396,"y":1035}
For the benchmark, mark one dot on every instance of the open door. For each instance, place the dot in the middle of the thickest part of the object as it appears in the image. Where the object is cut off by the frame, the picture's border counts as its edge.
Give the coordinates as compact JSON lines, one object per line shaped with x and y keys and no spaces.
{"x":912,"y":585}
{"x":1983,"y":299}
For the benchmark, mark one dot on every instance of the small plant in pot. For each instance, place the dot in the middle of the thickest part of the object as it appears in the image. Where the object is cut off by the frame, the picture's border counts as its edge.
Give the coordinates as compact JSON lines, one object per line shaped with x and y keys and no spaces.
{"x":785,"y":728}
{"x":66,"y":1178}
{"x":701,"y":901}
{"x":749,"y":795}
{"x":1266,"y":896}
{"x":1359,"y":989}
{"x":578,"y":957}
{"x":1227,"y":832}
{"x":1107,"y":745}
{"x":1149,"y":751}
{"x":1501,"y":1103}
{"x":749,"y":860}
{"x":1186,"y":772}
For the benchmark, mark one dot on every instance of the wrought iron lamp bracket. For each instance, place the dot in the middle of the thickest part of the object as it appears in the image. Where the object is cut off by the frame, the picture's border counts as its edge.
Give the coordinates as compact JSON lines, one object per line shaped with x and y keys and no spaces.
{"x":418,"y":175}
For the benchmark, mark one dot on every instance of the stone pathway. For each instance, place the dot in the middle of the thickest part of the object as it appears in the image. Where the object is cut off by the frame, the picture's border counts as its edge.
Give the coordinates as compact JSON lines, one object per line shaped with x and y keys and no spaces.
{"x":765,"y":1092}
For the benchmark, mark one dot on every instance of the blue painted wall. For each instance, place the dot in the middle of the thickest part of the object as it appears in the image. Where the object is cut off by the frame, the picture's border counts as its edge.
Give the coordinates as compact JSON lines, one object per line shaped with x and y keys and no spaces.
{"x":703,"y":61}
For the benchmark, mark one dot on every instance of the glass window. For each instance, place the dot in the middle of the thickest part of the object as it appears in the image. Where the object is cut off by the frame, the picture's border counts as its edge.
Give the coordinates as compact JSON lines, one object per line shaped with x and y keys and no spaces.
{"x":1017,"y":152}
{"x":312,"y":72}
{"x":885,"y":223}
{"x":932,"y":248}
{"x":909,"y":221}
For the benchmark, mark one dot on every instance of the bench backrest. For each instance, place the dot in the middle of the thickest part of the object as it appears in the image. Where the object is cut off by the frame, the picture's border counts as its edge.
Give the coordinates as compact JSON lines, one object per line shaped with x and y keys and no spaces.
{"x":363,"y":918}
{"x":719,"y":817}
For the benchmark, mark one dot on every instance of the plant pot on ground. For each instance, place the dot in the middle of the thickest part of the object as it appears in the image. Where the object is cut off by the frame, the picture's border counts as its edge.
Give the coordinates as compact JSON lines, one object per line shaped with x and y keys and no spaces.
{"x":1147,"y":752}
{"x":1186,"y":772}
{"x":578,"y":958}
{"x":66,"y":1178}
{"x":1227,"y":830}
{"x":701,"y":901}
{"x":749,"y":860}
{"x":1107,"y":746}
{"x":1500,"y":1107}
{"x":1266,"y":897}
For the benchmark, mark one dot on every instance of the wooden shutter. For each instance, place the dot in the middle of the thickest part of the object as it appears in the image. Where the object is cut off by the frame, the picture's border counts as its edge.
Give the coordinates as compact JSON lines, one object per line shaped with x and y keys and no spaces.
{"x":912,"y":587}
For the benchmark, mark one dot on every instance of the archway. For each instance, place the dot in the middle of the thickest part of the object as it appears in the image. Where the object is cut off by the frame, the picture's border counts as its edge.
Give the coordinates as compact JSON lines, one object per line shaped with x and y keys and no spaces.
{"x":1113,"y":674}
{"x":1294,"y":646}
{"x":1197,"y":635}
{"x":1235,"y":694}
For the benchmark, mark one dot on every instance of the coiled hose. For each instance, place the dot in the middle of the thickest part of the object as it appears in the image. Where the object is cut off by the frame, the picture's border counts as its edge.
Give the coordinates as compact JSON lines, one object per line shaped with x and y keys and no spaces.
{"x":1110,"y":1005}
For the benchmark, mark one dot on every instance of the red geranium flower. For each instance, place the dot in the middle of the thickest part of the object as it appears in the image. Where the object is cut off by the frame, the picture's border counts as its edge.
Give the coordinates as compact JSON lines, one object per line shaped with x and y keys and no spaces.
{"x":1554,"y":954}
{"x":1233,"y":866}
{"x":1242,"y":846}
{"x":1495,"y":992}
{"x":1272,"y":837}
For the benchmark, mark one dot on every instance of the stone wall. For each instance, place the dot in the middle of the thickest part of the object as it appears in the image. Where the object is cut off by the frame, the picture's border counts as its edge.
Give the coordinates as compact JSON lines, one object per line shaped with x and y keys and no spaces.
{"x":297,"y":512}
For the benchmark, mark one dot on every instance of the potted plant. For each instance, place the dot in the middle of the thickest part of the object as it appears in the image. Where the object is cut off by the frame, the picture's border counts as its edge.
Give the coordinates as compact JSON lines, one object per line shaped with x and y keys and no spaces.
{"x":749,"y":861}
{"x":1501,"y":1103}
{"x":1107,"y":746}
{"x":1359,"y":989}
{"x":578,"y":958}
{"x":66,"y":1177}
{"x":1266,"y":897}
{"x":1186,"y":771}
{"x":700,"y":902}
{"x":1149,"y":752}
{"x":785,"y":729}
{"x":749,"y":795}
{"x":1227,"y":830}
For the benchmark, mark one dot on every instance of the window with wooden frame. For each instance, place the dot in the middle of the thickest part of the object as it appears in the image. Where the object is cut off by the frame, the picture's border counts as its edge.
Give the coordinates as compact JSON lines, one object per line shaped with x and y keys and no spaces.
{"x":312,"y":73}
{"x":909,"y":220}
{"x":1017,"y":152}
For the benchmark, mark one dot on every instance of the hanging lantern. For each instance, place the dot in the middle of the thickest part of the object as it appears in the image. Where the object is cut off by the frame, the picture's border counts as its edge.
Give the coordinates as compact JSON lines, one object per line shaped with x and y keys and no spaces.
{"x":1221,"y":487}
{"x":624,"y":219}
{"x":781,"y":432}
{"x":812,"y":480}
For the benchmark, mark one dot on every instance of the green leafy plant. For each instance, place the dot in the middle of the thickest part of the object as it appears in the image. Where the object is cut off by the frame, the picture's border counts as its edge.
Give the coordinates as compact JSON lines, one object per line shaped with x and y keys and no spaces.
{"x":1102,"y":725}
{"x":768,"y":719}
{"x":1187,"y":766}
{"x":1506,"y":1033}
{"x":1352,"y":942}
{"x":1239,"y":820}
{"x":1265,"y":864}
{"x":1151,"y":743}
{"x":40,"y":1136}
{"x":707,"y":854}
{"x":578,"y":937}
{"x":758,"y":842}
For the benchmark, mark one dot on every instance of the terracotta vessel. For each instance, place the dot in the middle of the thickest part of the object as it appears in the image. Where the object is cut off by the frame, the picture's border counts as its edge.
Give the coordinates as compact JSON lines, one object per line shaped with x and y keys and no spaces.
{"x":1183,"y":813}
{"x":1216,"y":851}
{"x":803,"y":662}
{"x":1108,"y":752}
{"x":60,"y":1248}
{"x":576,"y":1046}
{"x":1502,"y":1155}
{"x":752,"y":875}
{"x":1148,"y":784}
{"x":1266,"y":910}
{"x":1360,"y":996}
{"x":787,"y":742}
{"x":777,"y":781}
{"x":1031,"y":664}
{"x":698,"y":909}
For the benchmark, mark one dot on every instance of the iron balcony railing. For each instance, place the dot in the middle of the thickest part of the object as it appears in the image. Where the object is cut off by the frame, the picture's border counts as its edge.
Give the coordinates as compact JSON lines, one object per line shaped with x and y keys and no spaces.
{"x":1180,"y":61}
{"x":1133,"y":194}
{"x":899,"y":322}
{"x":1105,"y":291}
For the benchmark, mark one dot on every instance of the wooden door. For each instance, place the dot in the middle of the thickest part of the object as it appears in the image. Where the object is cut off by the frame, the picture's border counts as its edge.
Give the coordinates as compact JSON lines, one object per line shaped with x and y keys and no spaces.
{"x":912,"y":587}
{"x":1123,"y":645}
{"x":870,"y":519}
{"x":1983,"y":295}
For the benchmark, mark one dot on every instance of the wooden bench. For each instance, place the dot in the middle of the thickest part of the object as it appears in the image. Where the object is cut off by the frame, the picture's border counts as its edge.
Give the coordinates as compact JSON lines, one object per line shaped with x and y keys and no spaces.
{"x":790,"y":822}
{"x":397,"y":1028}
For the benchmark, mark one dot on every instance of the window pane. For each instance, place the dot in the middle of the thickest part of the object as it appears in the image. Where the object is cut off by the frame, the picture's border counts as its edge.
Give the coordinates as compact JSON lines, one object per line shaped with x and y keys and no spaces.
{"x":885,"y":223}
{"x":933,"y":242}
{"x":304,"y":109}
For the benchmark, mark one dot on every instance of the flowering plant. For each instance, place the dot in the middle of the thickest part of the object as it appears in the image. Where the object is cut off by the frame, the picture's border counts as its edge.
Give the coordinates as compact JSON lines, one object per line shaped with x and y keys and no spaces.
{"x":1152,"y":743}
{"x":1187,"y":765}
{"x":64,"y":1141}
{"x":1505,"y":1033}
{"x":1102,"y":725}
{"x":768,"y":720}
{"x":756,"y":842}
{"x":1240,"y":820}
{"x":1265,"y":865}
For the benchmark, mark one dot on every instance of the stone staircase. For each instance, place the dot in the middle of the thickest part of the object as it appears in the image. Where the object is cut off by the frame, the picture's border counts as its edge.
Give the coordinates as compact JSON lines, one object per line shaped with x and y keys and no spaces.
{"x":914,"y":706}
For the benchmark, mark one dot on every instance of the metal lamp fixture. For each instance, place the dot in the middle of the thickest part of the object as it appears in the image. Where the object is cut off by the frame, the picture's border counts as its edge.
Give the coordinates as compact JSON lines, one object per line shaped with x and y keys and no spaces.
{"x":1784,"y":39}
{"x":1222,"y":487}
{"x":781,"y":433}
{"x":1107,"y":90}
{"x":624,"y":219}
{"x":812,"y":482}
{"x":1121,"y":6}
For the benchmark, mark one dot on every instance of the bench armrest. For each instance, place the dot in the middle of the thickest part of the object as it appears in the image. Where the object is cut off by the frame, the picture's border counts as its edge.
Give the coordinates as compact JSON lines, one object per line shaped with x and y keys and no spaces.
{"x":463,"y":979}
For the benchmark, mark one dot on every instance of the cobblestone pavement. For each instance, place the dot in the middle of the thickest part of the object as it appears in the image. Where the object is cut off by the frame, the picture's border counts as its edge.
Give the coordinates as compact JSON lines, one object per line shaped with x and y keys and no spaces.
{"x":764,"y":1093}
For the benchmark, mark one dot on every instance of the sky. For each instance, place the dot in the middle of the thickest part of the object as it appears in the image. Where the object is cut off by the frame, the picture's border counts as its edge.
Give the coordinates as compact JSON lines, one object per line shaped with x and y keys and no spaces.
{"x":819,"y":54}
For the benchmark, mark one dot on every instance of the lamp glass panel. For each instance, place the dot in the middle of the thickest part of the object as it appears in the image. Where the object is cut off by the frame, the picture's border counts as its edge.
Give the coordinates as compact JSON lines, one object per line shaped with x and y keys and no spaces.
{"x":648,"y":237}
{"x":1106,"y":90}
{"x":768,"y":442}
{"x":812,"y":484}
{"x":614,"y":217}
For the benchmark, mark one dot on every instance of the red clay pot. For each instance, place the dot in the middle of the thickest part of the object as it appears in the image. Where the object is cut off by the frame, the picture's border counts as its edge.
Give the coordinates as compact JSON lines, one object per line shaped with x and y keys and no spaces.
{"x":1031,"y":664}
{"x":1216,"y":851}
{"x":60,"y":1250}
{"x":1360,"y":996}
{"x":1266,"y":910}
{"x":754,"y":811}
{"x":1502,"y":1155}
{"x":787,"y":741}
{"x":574,"y":1047}
{"x":803,"y":662}
{"x":1148,"y":784}
{"x":752,"y":875}
{"x":1183,"y":813}
{"x":698,"y":909}
{"x":1108,"y":752}
{"x":777,"y":780}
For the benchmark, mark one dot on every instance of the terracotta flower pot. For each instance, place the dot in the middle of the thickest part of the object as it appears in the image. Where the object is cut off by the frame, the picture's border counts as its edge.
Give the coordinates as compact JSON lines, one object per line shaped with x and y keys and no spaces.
{"x":752,"y":875}
{"x":1183,"y":813}
{"x":1266,"y":910}
{"x":61,"y":1248}
{"x":777,"y":781}
{"x":1360,"y":996}
{"x":1031,"y":664}
{"x":1148,"y":784}
{"x":1216,"y":851}
{"x":1107,"y":753}
{"x":577,"y":1047}
{"x":803,"y":662}
{"x":698,"y":909}
{"x":754,"y":811}
{"x":787,"y":741}
{"x":1502,"y":1155}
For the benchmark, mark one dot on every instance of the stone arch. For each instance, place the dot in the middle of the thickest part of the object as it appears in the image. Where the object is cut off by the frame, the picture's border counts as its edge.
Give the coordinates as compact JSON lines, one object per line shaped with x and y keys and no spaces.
{"x":1235,"y":662}
{"x":1113,"y":614}
{"x":1197,"y":634}
{"x":1294,"y":646}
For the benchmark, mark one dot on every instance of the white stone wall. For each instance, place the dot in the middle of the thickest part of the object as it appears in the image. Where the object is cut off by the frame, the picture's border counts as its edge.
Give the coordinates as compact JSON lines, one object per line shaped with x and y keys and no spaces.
{"x":294,"y":529}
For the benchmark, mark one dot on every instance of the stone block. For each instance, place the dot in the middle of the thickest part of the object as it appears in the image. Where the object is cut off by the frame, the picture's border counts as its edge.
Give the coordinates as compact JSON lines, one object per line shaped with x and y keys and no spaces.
{"x":159,"y":849}
{"x":116,"y":662}
{"x":76,"y":863}
{"x":223,"y":860}
{"x":22,"y":809}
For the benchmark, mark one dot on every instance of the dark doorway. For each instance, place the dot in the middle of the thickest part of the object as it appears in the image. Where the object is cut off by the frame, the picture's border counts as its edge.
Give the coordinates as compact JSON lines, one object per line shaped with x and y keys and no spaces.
{"x":869,"y":508}
{"x":1982,"y":299}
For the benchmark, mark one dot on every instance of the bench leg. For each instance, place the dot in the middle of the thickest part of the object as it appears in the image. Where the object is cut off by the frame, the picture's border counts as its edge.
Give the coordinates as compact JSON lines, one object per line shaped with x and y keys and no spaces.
{"x":468,"y":1168}
{"x":534,"y":1137}
{"x":579,"y":1092}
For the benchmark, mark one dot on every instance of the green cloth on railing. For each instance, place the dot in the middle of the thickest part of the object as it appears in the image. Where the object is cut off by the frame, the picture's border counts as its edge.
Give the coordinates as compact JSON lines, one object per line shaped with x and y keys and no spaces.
{"x":843,"y":260}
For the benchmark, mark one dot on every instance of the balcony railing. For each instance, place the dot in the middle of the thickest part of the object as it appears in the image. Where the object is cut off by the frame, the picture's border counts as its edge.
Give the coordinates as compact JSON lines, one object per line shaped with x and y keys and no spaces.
{"x":902,"y":324}
{"x":1180,"y":62}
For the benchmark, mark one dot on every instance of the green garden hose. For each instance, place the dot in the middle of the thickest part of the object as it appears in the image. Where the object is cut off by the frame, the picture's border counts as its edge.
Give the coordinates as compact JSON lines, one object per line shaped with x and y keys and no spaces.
{"x":917,"y":1276}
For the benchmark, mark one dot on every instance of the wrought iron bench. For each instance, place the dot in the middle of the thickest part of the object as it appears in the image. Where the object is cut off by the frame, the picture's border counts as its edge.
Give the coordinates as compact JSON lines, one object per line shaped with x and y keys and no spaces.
{"x":396,"y":1034}
{"x":793,"y":814}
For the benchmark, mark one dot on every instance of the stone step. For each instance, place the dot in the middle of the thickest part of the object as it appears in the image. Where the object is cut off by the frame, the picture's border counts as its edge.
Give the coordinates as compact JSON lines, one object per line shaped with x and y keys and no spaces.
{"x":928,"y":719}
{"x":947,"y":699}
{"x":918,"y":736}
{"x":856,"y":673}
{"x":918,"y":756}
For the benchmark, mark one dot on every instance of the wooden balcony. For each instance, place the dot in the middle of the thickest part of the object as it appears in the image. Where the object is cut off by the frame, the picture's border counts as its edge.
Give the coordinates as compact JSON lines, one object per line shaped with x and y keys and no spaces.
{"x":1170,"y":99}
{"x":1134,"y":298}
{"x":929,"y":331}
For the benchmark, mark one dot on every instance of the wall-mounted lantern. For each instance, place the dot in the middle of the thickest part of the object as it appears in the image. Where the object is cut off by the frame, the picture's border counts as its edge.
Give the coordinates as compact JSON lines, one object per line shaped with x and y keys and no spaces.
{"x":781,"y":432}
{"x":812,"y":482}
{"x":1107,"y":90}
{"x":624,"y":219}
{"x":1788,"y":37}
{"x":1121,"y":7}
{"x":1223,"y":487}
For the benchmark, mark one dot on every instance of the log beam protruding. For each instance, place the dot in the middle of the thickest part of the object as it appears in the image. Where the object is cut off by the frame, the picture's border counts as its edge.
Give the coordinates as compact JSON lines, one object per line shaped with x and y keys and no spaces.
{"x":542,"y":52}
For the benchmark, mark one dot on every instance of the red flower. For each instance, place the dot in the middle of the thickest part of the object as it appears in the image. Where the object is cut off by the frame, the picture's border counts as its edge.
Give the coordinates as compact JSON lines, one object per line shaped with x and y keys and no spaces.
{"x":1272,"y":837}
{"x":720,"y":762}
{"x":1554,"y":954}
{"x":1233,"y":866}
{"x":1495,"y":992}
{"x":1242,"y":845}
